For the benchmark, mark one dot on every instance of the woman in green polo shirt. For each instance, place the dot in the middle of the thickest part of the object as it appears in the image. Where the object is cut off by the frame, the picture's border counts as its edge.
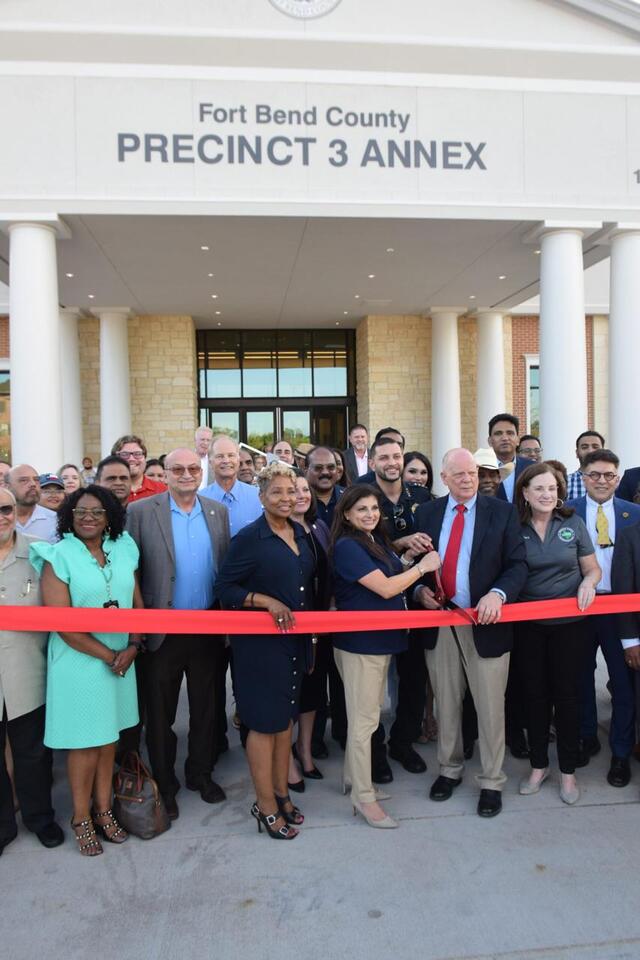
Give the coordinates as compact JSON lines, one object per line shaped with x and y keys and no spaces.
{"x":550,"y":653}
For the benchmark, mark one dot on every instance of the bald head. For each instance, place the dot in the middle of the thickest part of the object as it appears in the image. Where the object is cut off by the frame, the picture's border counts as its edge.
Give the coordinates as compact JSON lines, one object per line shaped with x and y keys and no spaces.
{"x":184,"y":474}
{"x":460,"y":474}
{"x":25,"y":485}
{"x":224,"y":457}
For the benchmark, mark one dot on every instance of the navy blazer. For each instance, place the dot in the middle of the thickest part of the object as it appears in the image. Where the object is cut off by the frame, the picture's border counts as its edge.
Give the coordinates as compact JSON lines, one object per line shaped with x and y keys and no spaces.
{"x":625,"y":513}
{"x":498,"y":559}
{"x":629,"y":484}
{"x":521,"y":464}
{"x":625,"y":577}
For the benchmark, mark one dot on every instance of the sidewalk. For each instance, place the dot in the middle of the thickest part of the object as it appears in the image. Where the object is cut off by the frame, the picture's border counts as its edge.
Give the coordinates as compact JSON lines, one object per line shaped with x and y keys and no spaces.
{"x":541,"y":880}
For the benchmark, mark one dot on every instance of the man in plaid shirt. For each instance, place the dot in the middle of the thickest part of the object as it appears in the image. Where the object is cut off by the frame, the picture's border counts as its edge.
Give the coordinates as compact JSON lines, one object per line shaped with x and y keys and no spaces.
{"x":586,"y":442}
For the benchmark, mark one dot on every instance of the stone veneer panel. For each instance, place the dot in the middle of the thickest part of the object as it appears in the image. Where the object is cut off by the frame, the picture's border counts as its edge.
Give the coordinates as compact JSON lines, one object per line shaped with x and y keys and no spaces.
{"x":162,"y":363}
{"x":600,"y":352}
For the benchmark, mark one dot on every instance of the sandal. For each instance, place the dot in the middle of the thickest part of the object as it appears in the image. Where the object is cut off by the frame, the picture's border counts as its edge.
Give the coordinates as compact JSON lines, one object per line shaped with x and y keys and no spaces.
{"x":294,"y":815}
{"x":88,"y":845}
{"x":111,"y":831}
{"x":269,"y":820}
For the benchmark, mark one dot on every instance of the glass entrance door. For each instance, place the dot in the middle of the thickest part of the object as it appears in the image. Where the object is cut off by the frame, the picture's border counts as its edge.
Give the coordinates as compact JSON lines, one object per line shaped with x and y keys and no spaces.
{"x":296,"y":426}
{"x":260,"y":428}
{"x":330,"y":426}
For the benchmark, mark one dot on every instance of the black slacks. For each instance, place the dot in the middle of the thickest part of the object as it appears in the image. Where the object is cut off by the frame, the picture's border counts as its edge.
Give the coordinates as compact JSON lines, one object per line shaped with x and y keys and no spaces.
{"x":32,"y":772}
{"x":201,"y":659}
{"x":551,"y":661}
{"x":412,"y":694}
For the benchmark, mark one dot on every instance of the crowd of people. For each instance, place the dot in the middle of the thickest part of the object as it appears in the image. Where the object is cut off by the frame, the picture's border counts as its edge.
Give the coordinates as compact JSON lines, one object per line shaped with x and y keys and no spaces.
{"x":309,"y":528}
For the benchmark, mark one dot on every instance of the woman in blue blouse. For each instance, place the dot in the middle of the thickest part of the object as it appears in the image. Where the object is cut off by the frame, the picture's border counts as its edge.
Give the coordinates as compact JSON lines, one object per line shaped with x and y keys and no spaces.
{"x":269,"y":566}
{"x":367,"y":575}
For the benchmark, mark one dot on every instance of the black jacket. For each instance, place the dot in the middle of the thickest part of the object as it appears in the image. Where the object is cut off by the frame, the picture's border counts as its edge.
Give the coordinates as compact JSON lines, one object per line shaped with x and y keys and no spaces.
{"x":625,"y":577}
{"x":498,"y":559}
{"x":629,"y":484}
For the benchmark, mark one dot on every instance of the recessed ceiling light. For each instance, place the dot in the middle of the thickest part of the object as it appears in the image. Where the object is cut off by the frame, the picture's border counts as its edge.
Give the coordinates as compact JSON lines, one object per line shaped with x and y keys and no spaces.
{"x":371,"y":276}
{"x":91,"y":296}
{"x":214,"y":296}
{"x":472,"y":297}
{"x":337,"y":323}
{"x":502,"y":276}
{"x":537,"y":253}
{"x":357,"y":296}
{"x":209,"y":274}
{"x":204,"y":247}
{"x":346,"y":313}
{"x":218,"y":313}
{"x":70,"y":275}
{"x":219,"y":324}
{"x":390,"y":250}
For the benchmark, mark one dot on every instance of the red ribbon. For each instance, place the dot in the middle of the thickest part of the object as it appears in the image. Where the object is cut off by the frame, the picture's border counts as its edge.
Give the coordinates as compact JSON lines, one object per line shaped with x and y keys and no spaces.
{"x":112,"y":620}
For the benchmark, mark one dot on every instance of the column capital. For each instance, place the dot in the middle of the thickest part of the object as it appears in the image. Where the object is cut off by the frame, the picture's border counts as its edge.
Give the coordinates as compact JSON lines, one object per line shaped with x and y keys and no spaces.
{"x":438,"y":311}
{"x":612,"y":230}
{"x":125,"y":312}
{"x":488,"y":312}
{"x":71,"y":312}
{"x":51,"y":221}
{"x":583,"y":227}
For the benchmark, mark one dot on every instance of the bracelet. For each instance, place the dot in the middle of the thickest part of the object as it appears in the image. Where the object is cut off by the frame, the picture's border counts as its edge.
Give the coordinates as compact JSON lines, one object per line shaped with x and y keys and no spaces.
{"x":251,"y":601}
{"x":406,"y":563}
{"x":115,"y":657}
{"x":140,"y":645}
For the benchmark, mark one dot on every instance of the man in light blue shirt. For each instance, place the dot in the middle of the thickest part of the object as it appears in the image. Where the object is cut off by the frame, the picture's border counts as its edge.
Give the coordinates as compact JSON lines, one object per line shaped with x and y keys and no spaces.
{"x":241,"y":500}
{"x":195,"y":562}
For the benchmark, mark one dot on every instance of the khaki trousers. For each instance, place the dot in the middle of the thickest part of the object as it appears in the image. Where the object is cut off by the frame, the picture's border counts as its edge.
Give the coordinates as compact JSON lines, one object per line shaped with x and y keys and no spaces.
{"x":364,"y":677}
{"x":451,"y":668}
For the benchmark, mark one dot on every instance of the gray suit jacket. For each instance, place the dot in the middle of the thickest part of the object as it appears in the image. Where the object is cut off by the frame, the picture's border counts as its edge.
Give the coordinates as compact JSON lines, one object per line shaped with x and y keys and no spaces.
{"x":149,"y":523}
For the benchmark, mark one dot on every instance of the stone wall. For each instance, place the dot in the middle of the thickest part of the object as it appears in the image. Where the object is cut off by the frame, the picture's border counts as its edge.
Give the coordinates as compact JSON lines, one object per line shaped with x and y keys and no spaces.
{"x":164,"y":396}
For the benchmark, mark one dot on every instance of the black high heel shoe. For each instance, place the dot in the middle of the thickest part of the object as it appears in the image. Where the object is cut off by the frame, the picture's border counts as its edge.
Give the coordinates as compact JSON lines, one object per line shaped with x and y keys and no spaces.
{"x":269,"y":820}
{"x":313,"y":774}
{"x":294,"y":816}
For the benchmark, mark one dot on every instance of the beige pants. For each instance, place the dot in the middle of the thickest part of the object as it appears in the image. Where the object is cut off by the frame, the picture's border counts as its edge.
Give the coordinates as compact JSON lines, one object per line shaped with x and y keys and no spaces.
{"x":364,"y":677}
{"x":450,"y":668}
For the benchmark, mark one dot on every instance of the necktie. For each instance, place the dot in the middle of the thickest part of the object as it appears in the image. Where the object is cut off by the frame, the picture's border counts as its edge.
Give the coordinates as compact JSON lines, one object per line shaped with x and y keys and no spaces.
{"x":450,"y":563}
{"x":228,"y":499}
{"x":602,"y":528}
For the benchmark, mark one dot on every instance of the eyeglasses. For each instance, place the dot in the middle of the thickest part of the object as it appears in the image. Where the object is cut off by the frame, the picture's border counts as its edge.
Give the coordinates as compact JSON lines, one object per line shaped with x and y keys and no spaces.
{"x":96,"y":513}
{"x":7,"y":509}
{"x":131,"y":454}
{"x":192,"y":470}
{"x":597,"y":475}
{"x":323,"y":467}
{"x":530,"y":451}
{"x":398,"y":517}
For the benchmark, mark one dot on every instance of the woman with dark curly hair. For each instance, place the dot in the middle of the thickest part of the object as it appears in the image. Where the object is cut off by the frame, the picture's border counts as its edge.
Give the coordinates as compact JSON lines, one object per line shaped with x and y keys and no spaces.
{"x":91,"y":692}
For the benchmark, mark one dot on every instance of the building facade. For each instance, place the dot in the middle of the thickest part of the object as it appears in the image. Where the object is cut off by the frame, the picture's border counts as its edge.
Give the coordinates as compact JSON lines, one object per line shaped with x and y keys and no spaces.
{"x":288,"y":216}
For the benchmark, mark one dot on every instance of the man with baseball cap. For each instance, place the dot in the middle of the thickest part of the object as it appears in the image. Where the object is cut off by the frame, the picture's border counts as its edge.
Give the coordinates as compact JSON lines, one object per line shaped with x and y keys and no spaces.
{"x":51,"y":491}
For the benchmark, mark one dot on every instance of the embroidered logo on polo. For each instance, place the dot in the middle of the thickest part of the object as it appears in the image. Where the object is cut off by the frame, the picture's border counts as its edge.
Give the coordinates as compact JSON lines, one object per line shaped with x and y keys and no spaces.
{"x":305,"y":9}
{"x":566,"y":534}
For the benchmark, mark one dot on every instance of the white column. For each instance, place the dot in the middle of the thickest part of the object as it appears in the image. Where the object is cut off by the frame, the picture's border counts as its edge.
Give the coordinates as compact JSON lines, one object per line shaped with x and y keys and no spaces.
{"x":36,"y":398}
{"x":624,"y":346}
{"x":563,"y":353}
{"x":73,"y":443}
{"x":490,"y":371}
{"x":115,"y":391}
{"x":445,"y":388}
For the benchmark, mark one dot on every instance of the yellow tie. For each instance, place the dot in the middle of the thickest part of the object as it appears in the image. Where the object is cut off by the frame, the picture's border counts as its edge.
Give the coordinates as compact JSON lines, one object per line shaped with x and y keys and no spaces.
{"x":602,"y":528}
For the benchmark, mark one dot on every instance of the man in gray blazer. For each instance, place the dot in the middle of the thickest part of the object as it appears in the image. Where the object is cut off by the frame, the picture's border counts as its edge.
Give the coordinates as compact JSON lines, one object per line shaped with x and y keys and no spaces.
{"x":182,"y":538}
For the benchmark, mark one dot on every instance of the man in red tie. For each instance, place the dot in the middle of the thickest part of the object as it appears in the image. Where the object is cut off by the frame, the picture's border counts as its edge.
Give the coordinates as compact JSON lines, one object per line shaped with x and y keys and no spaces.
{"x":483,"y":567}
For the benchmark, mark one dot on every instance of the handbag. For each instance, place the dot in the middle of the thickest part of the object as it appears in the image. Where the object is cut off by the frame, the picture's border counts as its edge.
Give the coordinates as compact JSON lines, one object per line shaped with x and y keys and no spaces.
{"x":137,"y":802}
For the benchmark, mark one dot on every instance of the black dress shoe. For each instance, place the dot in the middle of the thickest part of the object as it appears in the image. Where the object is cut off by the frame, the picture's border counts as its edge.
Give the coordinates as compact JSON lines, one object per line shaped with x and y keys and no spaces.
{"x":5,"y":841}
{"x":319,"y":750}
{"x":619,"y":772}
{"x":443,"y":787}
{"x":51,"y":835}
{"x":591,"y":746}
{"x":381,"y":771}
{"x":518,"y":746}
{"x":468,"y":749}
{"x":409,"y":758}
{"x":490,"y":803}
{"x":171,"y":806}
{"x":210,"y":791}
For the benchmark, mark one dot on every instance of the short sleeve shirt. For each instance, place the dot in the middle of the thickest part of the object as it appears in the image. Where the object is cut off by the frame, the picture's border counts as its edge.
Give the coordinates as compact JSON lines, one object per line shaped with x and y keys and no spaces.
{"x":554,"y":568}
{"x":351,"y":562}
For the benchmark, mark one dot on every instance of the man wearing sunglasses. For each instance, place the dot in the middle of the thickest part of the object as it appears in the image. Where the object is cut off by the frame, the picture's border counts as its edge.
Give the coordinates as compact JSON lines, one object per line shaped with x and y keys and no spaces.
{"x":133,"y":451}
{"x":322,"y":473}
{"x":183,"y":538}
{"x":605,"y":516}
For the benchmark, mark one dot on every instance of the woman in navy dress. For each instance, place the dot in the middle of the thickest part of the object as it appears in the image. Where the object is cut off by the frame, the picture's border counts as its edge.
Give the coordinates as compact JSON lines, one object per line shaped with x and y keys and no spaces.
{"x":367,"y":575}
{"x":269,"y":566}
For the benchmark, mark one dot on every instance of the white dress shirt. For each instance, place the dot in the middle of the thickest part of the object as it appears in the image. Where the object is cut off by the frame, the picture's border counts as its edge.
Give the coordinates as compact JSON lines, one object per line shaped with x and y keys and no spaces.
{"x":362,"y":463}
{"x":604,"y":555}
{"x":204,"y":476}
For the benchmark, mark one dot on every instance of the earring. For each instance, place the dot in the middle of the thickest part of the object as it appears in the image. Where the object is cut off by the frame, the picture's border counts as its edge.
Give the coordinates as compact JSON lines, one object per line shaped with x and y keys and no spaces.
{"x":559,"y":503}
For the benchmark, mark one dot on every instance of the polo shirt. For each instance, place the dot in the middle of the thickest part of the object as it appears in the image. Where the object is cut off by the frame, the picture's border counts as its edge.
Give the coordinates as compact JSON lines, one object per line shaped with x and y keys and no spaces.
{"x":242,"y":502}
{"x":149,"y":488}
{"x":42,"y":524}
{"x":326,"y":510}
{"x":398,"y":519}
{"x":350,"y":562}
{"x":195,"y":562}
{"x":554,"y":568}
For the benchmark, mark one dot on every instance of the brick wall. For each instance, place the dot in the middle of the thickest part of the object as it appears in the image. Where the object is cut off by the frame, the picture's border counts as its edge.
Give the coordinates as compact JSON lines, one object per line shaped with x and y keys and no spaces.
{"x":4,"y":336}
{"x":393,"y":365}
{"x":162,"y":365}
{"x":600,"y":367}
{"x":468,"y":362}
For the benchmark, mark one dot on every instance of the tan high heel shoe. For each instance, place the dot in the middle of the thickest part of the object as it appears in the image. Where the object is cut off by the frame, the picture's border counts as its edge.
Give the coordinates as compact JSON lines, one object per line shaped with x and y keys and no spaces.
{"x":387,"y":822}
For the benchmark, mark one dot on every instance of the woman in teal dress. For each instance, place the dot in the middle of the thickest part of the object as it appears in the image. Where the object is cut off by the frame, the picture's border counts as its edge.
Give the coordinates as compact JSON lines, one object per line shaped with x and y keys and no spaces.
{"x":91,"y":690}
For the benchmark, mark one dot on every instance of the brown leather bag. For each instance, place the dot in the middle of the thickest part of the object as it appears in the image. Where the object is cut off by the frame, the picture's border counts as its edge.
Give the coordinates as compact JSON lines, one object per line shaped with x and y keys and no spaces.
{"x":137,"y":803}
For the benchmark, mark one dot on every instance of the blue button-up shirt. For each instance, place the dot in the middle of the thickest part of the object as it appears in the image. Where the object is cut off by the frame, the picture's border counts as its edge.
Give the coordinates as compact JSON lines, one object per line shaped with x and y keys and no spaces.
{"x":509,"y":483}
{"x":242,"y":501}
{"x":462,"y":595}
{"x":195,"y":560}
